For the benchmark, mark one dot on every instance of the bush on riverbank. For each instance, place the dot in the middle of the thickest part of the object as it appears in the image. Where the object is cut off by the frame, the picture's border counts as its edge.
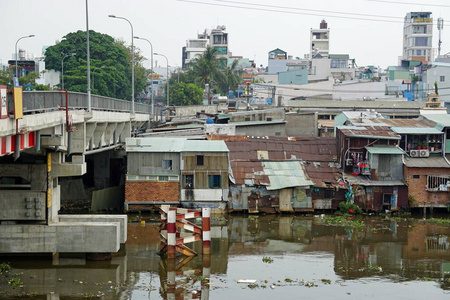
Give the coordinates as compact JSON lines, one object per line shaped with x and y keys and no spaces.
{"x":349,"y":208}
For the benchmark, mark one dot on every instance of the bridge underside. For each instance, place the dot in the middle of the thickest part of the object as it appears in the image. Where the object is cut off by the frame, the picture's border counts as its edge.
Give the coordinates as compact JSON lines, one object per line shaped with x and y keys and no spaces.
{"x":31,"y":163}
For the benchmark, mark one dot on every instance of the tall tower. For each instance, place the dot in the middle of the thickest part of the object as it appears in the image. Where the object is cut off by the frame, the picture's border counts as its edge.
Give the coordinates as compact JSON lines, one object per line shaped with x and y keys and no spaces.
{"x":320,"y":41}
{"x":418,"y":36}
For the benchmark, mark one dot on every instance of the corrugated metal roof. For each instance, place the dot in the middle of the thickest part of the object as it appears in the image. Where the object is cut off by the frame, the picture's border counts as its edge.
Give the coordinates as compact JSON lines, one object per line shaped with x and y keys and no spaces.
{"x":416,"y":130}
{"x":384,"y":150}
{"x":442,"y":119}
{"x":373,"y":132}
{"x":204,"y":146}
{"x":284,"y":174}
{"x":159,"y":144}
{"x":318,"y":155}
{"x":224,"y":116}
{"x":426,"y":162}
{"x":362,"y":180}
{"x":255,"y":123}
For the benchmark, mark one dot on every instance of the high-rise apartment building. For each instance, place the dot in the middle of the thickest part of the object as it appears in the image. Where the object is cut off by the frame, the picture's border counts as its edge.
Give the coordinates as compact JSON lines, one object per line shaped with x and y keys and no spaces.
{"x":216,"y":38}
{"x":320,"y":41}
{"x":418,"y":36}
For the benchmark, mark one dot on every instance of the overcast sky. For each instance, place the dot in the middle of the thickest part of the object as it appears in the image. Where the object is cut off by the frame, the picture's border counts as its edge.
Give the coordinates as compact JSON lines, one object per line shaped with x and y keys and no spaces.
{"x":368,"y":30}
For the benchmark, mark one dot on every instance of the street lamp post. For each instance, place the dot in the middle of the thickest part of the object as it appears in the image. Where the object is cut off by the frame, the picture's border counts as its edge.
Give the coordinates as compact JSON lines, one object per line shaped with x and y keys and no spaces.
{"x":17,"y":56}
{"x":167,"y":60}
{"x":62,"y":67}
{"x":151,"y":68}
{"x":132,"y":60}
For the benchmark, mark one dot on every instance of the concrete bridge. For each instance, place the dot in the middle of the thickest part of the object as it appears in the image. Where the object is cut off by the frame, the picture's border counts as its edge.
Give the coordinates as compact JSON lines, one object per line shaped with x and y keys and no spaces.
{"x":50,"y":142}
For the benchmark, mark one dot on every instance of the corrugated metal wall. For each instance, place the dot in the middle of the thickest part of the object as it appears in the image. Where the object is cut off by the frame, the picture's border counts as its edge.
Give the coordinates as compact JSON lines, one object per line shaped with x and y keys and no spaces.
{"x":139,"y":163}
{"x":213,"y":164}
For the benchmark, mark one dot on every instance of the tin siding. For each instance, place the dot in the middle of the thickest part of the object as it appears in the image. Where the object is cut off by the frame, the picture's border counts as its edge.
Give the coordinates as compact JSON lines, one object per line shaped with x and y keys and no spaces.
{"x":146,"y":163}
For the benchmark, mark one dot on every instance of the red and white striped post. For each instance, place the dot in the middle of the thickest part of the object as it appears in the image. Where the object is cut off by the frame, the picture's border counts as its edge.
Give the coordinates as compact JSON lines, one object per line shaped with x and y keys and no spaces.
{"x":171,"y":233}
{"x":206,"y":229}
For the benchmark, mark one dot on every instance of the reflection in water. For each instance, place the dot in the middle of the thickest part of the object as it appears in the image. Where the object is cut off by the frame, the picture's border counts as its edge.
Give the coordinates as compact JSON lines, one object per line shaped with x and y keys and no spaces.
{"x":405,"y":257}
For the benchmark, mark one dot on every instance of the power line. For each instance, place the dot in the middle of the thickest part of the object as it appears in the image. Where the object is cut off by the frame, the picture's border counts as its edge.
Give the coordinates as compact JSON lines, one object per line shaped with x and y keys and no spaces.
{"x":286,"y":10}
{"x":289,"y":12}
{"x":305,"y":9}
{"x":409,"y":3}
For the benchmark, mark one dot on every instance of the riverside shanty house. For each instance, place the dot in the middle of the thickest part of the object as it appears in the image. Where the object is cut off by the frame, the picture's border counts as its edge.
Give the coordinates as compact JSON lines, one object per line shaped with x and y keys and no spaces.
{"x":280,"y":174}
{"x":372,"y":166}
{"x":425,"y":166}
{"x":177,"y":171}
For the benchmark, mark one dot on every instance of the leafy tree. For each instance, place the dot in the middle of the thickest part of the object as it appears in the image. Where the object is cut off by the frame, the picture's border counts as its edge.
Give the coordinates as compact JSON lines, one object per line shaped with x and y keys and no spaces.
{"x":206,"y":70}
{"x":232,"y":77}
{"x":109,"y":59}
{"x":185,"y":94}
{"x":6,"y":78}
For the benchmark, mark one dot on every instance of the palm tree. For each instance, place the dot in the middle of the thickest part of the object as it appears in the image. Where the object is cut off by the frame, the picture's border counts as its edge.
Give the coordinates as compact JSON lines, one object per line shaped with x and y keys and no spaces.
{"x":232,"y":77}
{"x":206,"y":70}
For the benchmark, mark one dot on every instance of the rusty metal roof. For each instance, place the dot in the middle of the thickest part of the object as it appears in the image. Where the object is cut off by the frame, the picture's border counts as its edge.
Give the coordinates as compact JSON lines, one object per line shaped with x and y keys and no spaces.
{"x":375,"y":132}
{"x":426,"y":162}
{"x":318,"y":156}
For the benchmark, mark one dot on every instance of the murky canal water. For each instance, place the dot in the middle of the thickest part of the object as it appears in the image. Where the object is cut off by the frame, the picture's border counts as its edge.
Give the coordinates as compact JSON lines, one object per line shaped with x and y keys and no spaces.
{"x":287,"y":257}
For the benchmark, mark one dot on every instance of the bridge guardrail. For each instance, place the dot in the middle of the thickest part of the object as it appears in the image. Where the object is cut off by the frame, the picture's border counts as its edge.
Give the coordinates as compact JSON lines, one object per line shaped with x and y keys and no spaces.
{"x":40,"y":101}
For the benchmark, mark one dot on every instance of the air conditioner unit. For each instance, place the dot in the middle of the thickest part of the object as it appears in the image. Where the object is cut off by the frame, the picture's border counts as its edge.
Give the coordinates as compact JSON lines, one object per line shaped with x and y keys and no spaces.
{"x":349,"y":162}
{"x":424,"y":153}
{"x":414,"y":153}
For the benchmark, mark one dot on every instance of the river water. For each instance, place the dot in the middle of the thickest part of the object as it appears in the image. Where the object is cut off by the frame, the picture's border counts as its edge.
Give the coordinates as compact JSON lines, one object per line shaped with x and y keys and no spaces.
{"x":277,"y":257}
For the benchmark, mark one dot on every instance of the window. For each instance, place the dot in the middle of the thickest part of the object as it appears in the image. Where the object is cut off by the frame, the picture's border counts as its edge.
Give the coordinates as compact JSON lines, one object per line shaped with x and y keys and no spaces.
{"x":328,"y":194}
{"x":163,"y":178}
{"x":167,"y":164}
{"x":188,"y":181}
{"x":439,"y":183}
{"x":214,"y":181}
{"x":200,"y":160}
{"x":419,"y":52}
{"x":442,"y":78}
{"x":416,"y":176}
{"x":421,"y":41}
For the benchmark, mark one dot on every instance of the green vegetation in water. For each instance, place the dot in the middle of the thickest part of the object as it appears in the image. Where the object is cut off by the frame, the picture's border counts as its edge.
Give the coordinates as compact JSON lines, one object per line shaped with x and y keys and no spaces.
{"x":326,"y":281}
{"x":288,"y":280}
{"x":349,"y":208}
{"x":267,"y":259}
{"x":343,"y":221}
{"x":4,"y":267}
{"x":439,"y":221}
{"x":251,"y":218}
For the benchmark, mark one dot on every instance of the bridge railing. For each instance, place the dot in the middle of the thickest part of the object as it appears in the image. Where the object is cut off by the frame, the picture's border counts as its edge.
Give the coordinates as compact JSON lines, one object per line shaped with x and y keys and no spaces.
{"x":41,"y":101}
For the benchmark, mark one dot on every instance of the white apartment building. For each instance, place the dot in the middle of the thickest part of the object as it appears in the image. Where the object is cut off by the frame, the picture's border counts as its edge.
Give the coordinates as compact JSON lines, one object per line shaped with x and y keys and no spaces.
{"x":418,"y":36}
{"x":320,"y":41}
{"x":216,"y":38}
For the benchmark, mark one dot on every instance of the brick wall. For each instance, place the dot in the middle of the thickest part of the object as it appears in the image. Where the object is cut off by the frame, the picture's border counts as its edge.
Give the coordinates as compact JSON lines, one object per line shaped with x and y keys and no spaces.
{"x":147,"y":191}
{"x":417,"y":187}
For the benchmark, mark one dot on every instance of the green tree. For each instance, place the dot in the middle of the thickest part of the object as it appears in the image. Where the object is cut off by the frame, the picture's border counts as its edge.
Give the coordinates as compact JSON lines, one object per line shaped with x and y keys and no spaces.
{"x":6,"y":78}
{"x":185,"y":94}
{"x":109,"y":59}
{"x":206,"y":70}
{"x":231,"y":78}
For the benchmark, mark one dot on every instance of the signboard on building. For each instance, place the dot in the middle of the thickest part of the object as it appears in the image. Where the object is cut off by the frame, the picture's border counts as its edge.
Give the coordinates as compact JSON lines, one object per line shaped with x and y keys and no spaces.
{"x":154,"y":76}
{"x":423,"y":20}
{"x":18,"y":103}
{"x":3,"y":102}
{"x":247,"y":77}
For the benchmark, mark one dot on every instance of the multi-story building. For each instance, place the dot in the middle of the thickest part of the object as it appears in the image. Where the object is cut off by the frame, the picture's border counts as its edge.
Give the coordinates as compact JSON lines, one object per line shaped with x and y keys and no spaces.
{"x":320,"y":41}
{"x":216,"y":38}
{"x":418,"y":36}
